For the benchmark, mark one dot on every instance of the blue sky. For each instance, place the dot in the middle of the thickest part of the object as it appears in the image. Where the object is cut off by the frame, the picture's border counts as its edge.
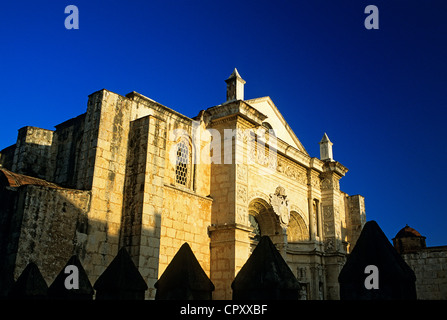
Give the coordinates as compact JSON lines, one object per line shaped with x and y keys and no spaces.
{"x":379,"y":94}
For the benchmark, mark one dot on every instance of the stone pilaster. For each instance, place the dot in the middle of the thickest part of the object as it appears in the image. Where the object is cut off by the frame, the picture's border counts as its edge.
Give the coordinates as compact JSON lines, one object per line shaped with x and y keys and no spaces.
{"x":229,"y":231}
{"x":330,"y":197}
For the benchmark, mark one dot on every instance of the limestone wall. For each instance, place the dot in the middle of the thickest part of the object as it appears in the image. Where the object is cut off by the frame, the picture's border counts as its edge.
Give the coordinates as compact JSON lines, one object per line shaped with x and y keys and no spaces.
{"x":185,"y":218}
{"x":33,"y":152}
{"x":7,"y":157}
{"x":103,"y":156}
{"x":430,"y":268}
{"x":53,"y":227}
{"x":355,"y":218}
{"x":66,"y":151}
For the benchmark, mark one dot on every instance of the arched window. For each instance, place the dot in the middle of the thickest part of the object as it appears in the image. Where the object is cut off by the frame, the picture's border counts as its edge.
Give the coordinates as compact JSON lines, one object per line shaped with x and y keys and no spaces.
{"x":269,"y":127}
{"x":182,"y":163}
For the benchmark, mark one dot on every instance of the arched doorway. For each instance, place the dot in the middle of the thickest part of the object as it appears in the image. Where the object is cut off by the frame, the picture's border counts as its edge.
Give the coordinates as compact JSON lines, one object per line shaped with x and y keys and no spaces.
{"x":264,"y":223}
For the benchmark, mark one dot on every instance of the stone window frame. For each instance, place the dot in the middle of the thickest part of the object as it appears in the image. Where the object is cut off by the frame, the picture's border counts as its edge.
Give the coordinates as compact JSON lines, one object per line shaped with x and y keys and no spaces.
{"x":179,"y":167}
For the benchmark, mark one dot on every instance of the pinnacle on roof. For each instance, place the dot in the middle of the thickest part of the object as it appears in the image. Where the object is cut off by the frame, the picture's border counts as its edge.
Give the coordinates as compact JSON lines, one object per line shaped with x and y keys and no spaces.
{"x":326,"y":149}
{"x":235,"y":86}
{"x":325,"y":138}
{"x":235,"y":74}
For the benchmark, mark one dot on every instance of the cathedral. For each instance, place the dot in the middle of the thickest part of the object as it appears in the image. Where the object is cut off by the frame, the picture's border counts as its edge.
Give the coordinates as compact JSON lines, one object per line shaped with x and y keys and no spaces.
{"x":133,"y":173}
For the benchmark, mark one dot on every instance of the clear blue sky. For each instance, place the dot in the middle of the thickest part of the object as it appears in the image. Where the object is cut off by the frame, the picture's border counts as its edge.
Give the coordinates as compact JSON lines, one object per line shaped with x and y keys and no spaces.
{"x":379,"y":94}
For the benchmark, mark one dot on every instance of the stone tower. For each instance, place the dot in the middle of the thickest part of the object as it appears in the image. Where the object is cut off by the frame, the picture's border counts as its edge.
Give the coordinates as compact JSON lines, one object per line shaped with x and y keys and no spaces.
{"x":408,"y":240}
{"x":235,"y":86}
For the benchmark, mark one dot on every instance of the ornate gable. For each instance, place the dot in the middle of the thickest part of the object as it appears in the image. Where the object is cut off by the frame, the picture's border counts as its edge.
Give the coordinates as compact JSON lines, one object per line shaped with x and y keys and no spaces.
{"x":276,"y":121}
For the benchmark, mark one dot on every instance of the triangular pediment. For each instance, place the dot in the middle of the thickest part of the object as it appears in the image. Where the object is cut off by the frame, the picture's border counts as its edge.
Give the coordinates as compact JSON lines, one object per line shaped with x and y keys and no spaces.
{"x":275,"y":119}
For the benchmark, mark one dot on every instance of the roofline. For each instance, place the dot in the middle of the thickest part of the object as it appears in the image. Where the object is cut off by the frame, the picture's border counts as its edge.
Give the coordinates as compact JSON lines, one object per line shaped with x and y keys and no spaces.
{"x":280,"y":116}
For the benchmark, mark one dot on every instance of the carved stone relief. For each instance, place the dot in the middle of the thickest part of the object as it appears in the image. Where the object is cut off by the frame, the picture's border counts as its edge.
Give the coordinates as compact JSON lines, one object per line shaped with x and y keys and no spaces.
{"x":241,"y":172}
{"x":291,"y":171}
{"x":330,"y":183}
{"x":315,"y":182}
{"x":280,"y":204}
{"x":328,"y":221}
{"x":242,"y":215}
{"x":329,"y":245}
{"x":241,"y":194}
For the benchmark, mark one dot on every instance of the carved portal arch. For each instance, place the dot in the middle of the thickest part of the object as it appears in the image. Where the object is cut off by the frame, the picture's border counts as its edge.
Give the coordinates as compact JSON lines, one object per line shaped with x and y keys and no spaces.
{"x":264,"y":221}
{"x":258,"y":195}
{"x":297,"y":230}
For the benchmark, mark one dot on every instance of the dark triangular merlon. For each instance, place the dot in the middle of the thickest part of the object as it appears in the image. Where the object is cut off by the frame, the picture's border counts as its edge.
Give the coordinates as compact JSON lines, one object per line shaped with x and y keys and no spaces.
{"x":58,"y":288}
{"x":395,"y":277}
{"x":30,"y":284}
{"x":184,"y":278}
{"x":121,"y":280}
{"x":265,"y":275}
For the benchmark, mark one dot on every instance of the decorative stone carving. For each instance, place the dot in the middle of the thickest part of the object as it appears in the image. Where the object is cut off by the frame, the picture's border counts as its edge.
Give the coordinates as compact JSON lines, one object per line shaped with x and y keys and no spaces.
{"x":328,"y":218}
{"x":330,"y":183}
{"x":328,"y":212}
{"x":262,"y":158}
{"x":326,"y":184}
{"x":280,"y":206}
{"x":315,"y":182}
{"x":241,"y":172}
{"x":242,"y":194}
{"x":272,"y":164}
{"x":280,"y":167}
{"x":242,"y":215}
{"x":329,"y":245}
{"x":291,"y":171}
{"x":327,"y":227}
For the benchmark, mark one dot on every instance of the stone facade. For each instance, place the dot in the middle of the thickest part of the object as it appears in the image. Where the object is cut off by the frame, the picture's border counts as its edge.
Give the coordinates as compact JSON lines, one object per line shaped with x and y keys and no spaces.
{"x":133,"y":173}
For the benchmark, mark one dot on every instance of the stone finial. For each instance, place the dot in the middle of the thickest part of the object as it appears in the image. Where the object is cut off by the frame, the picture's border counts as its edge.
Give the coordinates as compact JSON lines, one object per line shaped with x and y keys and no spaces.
{"x":235,"y":86}
{"x":326,"y":149}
